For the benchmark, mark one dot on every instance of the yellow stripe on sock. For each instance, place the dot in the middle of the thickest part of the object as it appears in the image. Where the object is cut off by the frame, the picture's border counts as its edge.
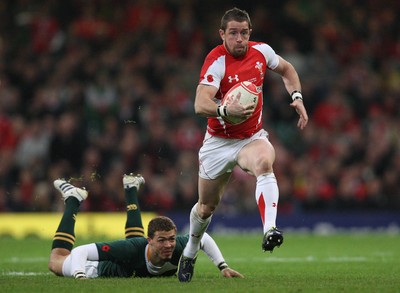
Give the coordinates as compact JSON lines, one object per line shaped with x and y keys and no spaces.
{"x":134,"y":234}
{"x":134,"y":229}
{"x":64,"y":239}
{"x":65,"y":234}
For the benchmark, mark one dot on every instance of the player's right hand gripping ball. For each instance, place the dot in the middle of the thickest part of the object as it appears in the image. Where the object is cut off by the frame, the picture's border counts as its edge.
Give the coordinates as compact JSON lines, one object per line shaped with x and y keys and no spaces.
{"x":245,"y":92}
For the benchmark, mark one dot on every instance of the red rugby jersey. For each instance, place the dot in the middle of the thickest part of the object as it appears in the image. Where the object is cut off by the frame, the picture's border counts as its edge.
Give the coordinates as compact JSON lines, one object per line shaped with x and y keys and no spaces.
{"x":222,"y":70}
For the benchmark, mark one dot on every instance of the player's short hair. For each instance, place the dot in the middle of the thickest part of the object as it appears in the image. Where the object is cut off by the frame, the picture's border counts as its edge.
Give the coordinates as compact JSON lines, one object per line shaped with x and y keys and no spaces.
{"x":160,"y":223}
{"x":235,"y":14}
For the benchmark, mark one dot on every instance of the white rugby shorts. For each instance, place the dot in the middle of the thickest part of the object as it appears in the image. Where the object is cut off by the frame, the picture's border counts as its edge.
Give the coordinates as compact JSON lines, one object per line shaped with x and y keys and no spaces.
{"x":218,"y":155}
{"x":90,"y":268}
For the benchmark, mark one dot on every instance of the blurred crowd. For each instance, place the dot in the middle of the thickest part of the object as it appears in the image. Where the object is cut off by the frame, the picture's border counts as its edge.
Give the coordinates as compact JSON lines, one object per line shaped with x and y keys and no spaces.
{"x":93,"y":89}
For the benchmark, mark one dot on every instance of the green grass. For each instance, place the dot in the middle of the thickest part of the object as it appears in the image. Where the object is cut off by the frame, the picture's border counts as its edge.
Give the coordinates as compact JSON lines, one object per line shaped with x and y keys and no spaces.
{"x":305,"y":263}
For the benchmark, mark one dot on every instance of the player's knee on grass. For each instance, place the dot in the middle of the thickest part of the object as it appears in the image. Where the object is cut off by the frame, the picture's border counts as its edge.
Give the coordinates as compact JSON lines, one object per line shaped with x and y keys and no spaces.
{"x":57,"y":257}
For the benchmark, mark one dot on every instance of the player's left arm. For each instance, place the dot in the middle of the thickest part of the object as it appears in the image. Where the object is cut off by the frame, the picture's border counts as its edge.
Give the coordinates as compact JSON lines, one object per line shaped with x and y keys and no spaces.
{"x":292,"y":84}
{"x":212,"y":250}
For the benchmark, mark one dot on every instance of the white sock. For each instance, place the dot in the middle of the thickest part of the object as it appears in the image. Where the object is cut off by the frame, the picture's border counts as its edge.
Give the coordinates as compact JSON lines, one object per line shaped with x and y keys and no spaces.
{"x":197,"y":228}
{"x":267,"y":196}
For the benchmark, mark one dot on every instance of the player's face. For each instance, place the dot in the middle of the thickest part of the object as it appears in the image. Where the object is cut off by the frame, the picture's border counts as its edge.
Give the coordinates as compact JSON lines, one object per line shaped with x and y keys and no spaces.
{"x":236,"y":37}
{"x":163,"y":244}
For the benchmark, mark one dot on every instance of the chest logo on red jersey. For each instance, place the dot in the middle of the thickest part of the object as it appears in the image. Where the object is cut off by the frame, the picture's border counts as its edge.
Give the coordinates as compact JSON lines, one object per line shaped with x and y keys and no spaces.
{"x":234,"y":78}
{"x":259,"y":66}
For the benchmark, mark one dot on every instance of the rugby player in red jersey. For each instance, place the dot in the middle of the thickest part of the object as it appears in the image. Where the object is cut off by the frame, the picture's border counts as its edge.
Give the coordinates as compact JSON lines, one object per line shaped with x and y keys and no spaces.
{"x":245,"y":145}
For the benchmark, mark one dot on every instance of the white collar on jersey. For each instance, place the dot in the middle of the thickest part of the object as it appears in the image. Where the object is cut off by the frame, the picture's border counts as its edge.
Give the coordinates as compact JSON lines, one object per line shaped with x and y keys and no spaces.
{"x":155,"y":270}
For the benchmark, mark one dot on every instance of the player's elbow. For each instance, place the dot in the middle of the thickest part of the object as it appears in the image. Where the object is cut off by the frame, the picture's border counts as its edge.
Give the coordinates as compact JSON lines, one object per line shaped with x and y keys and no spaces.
{"x":198,"y":110}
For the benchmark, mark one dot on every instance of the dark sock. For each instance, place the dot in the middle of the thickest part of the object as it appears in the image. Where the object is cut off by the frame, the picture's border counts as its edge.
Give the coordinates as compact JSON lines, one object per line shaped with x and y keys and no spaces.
{"x":133,"y":225}
{"x":65,"y":234}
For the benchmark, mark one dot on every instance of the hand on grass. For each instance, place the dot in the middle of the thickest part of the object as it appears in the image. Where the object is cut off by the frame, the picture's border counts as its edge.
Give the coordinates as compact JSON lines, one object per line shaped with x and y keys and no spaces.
{"x":229,"y":273}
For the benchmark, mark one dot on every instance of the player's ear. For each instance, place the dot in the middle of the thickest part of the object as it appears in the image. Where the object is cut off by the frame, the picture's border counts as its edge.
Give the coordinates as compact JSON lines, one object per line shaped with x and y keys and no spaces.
{"x":222,"y":34}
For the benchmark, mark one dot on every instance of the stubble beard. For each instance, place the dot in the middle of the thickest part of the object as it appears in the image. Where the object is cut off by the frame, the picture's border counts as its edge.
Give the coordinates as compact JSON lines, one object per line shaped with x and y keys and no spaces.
{"x":238,"y":53}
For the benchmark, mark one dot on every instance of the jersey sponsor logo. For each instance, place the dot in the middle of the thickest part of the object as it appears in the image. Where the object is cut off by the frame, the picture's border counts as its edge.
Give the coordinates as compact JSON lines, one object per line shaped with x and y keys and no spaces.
{"x":252,"y":80}
{"x":234,"y":78}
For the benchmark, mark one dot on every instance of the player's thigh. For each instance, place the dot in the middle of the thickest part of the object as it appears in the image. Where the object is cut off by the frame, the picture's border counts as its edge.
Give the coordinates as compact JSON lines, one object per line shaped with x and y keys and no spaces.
{"x":57,"y":258}
{"x":257,"y":157}
{"x":211,"y":190}
{"x":217,"y":157}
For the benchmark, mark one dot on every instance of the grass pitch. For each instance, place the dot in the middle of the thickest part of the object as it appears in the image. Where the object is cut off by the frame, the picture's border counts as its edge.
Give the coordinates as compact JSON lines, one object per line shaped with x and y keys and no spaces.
{"x":304,"y":263}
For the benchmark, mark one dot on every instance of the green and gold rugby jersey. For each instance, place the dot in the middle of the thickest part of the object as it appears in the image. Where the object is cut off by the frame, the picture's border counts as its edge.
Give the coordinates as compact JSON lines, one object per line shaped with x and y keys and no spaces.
{"x":127,"y":258}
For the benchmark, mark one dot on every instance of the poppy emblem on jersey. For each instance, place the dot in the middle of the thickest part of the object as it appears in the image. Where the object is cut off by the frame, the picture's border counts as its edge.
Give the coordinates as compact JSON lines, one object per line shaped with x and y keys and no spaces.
{"x":105,"y":248}
{"x":210,"y":78}
{"x":231,"y":79}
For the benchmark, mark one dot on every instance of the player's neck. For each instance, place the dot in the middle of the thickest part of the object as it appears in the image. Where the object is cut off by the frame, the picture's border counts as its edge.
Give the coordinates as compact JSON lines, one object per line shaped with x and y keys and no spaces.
{"x":154,"y":258}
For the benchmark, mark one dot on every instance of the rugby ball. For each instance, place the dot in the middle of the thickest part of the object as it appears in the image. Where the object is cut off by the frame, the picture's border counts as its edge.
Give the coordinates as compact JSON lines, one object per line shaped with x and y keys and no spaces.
{"x":245,"y":92}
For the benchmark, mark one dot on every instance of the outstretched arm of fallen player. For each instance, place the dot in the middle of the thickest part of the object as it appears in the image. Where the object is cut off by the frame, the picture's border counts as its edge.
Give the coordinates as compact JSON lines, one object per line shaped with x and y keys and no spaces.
{"x":229,"y":273}
{"x":212,"y":250}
